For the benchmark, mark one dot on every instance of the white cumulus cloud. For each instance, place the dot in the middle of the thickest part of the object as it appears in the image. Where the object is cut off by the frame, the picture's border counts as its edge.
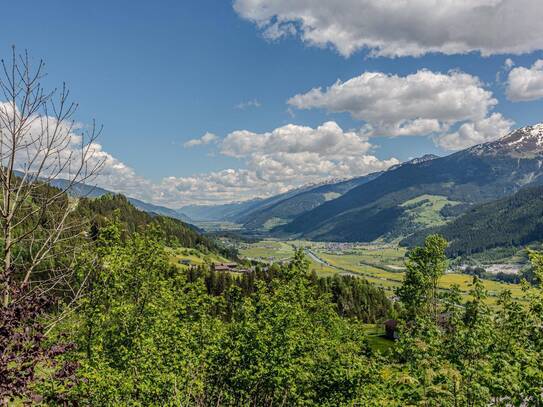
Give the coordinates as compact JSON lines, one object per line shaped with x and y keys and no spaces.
{"x":472,"y":133}
{"x":508,"y":64}
{"x":402,"y":28}
{"x":285,"y":158}
{"x":207,"y":138}
{"x":423,"y":103}
{"x":525,"y":84}
{"x":272,"y":163}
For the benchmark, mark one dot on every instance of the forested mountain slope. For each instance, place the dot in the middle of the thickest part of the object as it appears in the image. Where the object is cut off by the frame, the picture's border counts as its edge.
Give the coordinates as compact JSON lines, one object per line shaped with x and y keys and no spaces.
{"x":512,"y":221}
{"x":107,"y":207}
{"x":476,"y":175}
{"x":289,"y":207}
{"x":81,"y":190}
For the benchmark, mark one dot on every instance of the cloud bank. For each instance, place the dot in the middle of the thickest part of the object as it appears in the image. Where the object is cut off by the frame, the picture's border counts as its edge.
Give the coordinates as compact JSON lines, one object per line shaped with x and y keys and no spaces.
{"x":421,"y":104}
{"x":273,"y":162}
{"x":284,"y":158}
{"x":402,"y":28}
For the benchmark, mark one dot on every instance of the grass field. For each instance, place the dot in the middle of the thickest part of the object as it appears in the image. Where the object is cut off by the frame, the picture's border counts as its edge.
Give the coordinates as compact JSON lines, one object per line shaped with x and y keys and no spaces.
{"x":267,"y":250}
{"x":375,"y":334}
{"x":274,"y":251}
{"x":390,"y":279}
{"x":426,"y":209}
{"x":381,"y":265}
{"x":195,"y":257}
{"x":322,"y":270}
{"x":210,"y":226}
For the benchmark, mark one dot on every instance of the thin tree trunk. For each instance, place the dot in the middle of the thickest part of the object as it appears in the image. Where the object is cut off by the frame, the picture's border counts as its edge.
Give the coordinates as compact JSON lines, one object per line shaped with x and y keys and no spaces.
{"x":7,"y":265}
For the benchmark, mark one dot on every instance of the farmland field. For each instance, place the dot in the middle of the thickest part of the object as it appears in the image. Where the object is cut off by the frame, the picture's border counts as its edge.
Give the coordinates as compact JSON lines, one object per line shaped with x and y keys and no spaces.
{"x":193,"y":256}
{"x":267,"y":250}
{"x":275,"y":251}
{"x":380,"y":264}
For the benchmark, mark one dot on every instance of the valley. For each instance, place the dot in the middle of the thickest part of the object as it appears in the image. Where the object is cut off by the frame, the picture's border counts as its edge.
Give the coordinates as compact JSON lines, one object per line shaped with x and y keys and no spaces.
{"x":379,"y":263}
{"x":486,"y":201}
{"x":271,"y":203}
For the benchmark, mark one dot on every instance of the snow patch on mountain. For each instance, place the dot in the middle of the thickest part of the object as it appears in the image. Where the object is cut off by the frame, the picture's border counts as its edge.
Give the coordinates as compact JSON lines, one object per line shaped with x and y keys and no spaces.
{"x":525,"y":142}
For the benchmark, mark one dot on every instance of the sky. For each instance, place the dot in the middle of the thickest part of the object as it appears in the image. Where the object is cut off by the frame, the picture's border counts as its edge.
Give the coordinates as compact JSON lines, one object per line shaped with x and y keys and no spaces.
{"x":214,"y":101}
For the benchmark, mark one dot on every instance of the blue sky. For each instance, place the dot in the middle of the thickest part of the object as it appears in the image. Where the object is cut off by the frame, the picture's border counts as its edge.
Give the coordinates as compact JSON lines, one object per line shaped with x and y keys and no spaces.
{"x":158,"y":74}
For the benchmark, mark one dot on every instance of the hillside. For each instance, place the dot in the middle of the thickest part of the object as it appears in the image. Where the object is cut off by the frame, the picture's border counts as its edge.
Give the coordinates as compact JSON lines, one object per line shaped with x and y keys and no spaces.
{"x":173,"y":231}
{"x":288,"y":207}
{"x":512,"y":221}
{"x":81,"y":190}
{"x":377,"y":209}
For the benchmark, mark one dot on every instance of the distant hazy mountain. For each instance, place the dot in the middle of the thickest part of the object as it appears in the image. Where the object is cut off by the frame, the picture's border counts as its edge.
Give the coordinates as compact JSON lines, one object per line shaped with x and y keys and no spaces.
{"x":84,"y":190}
{"x":216,"y":213}
{"x":512,"y":221}
{"x":386,"y":207}
{"x":159,"y":210}
{"x":238,"y":212}
{"x":80,"y":189}
{"x":288,"y":207}
{"x":264,"y":214}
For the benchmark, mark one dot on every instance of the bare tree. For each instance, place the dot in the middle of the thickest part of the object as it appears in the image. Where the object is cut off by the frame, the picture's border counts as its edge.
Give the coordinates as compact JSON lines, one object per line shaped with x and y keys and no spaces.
{"x":40,"y":144}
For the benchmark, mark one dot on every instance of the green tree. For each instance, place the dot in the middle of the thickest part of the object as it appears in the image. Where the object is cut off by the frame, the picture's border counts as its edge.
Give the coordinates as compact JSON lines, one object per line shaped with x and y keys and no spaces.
{"x":144,"y":330}
{"x":286,"y":345}
{"x":424,"y":266}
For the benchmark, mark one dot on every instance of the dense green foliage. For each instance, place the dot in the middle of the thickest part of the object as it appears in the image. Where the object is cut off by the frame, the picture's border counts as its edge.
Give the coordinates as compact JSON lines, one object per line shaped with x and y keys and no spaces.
{"x":512,"y":221}
{"x":352,"y":297}
{"x":173,"y":232}
{"x":468,"y":354}
{"x":148,"y":336}
{"x":425,"y":265}
{"x":146,"y":332}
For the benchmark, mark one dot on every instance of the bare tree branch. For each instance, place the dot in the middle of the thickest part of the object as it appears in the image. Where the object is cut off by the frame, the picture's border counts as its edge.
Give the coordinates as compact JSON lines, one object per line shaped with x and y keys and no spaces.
{"x":39,"y":142}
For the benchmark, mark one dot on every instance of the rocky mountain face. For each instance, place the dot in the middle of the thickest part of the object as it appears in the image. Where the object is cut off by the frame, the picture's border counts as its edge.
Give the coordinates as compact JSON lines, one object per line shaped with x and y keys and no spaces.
{"x":526,"y":142}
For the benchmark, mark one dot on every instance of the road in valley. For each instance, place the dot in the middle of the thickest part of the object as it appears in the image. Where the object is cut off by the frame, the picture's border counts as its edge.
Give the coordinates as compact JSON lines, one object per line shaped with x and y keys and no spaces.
{"x":343,"y":271}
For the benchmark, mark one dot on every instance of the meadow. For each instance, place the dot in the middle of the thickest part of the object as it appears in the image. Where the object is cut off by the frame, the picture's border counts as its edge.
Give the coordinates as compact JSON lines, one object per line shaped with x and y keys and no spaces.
{"x":380,"y":264}
{"x":194,"y":257}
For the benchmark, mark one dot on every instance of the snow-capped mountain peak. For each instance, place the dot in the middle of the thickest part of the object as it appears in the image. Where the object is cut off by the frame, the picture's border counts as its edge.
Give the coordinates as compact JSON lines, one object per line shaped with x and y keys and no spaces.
{"x":526,"y":136}
{"x":524,"y":142}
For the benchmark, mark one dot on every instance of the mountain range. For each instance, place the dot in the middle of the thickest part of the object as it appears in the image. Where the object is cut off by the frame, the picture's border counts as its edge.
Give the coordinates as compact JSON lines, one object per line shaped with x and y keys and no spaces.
{"x":384,"y":208}
{"x":425,"y":194}
{"x":264,"y":214}
{"x":404,"y":203}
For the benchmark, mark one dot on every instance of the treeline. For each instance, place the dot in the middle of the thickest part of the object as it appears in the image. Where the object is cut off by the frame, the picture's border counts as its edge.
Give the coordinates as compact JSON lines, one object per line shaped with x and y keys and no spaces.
{"x":353,"y":297}
{"x":513,"y":221}
{"x":99,"y":211}
{"x":526,"y":274}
